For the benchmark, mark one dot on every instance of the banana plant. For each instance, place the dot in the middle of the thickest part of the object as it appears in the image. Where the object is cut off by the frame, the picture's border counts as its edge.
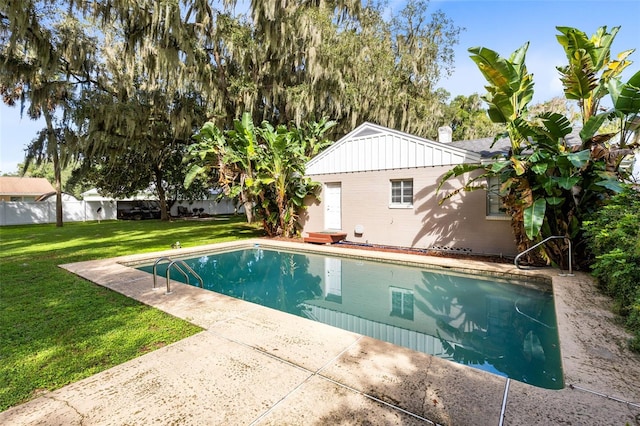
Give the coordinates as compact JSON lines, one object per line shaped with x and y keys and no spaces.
{"x":230,"y":157}
{"x":549,"y":185}
{"x":262,"y":166}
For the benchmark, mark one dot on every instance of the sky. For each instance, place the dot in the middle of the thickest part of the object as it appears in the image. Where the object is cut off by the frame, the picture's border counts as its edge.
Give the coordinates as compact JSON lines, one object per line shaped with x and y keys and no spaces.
{"x":500,"y":25}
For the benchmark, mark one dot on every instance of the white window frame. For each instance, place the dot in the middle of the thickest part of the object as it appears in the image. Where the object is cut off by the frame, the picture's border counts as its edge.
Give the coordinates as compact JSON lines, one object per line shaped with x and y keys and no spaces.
{"x":403,"y":204}
{"x":494,"y":204}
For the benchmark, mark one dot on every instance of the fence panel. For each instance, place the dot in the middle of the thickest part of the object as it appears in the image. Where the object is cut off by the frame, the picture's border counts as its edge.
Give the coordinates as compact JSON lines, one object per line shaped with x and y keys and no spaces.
{"x":36,"y":212}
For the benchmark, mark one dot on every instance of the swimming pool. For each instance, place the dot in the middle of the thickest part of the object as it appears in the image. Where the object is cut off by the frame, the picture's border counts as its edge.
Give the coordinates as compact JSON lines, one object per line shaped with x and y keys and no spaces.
{"x":488,"y":323}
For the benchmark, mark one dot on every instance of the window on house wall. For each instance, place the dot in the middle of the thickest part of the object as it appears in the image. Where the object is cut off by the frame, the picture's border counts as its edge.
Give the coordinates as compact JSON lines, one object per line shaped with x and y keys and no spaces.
{"x":495,"y":208}
{"x":401,"y":303}
{"x":401,"y":193}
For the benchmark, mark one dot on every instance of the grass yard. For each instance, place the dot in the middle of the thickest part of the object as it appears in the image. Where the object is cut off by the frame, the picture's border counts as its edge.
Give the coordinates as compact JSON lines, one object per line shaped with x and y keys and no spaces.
{"x":56,"y":328}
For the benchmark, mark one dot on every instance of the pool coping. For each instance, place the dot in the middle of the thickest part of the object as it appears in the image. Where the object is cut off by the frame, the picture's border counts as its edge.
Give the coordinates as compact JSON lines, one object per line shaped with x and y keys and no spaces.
{"x":601,"y":375}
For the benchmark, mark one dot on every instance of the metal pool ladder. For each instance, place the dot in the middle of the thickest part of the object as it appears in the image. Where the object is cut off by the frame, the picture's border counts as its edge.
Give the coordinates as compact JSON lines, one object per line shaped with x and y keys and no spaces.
{"x":177,"y":263}
{"x":570,"y":274}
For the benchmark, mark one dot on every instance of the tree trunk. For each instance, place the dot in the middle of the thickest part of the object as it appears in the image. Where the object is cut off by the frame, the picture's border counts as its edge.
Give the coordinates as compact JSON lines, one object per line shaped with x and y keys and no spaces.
{"x":52,"y":145}
{"x":248,"y":210}
{"x":162,"y":196}
{"x":283,"y":229}
{"x":248,"y":203}
{"x":58,"y":177}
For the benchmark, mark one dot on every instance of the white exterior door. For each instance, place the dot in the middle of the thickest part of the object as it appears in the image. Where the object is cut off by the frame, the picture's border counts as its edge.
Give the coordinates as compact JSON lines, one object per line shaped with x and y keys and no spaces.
{"x":332,"y":206}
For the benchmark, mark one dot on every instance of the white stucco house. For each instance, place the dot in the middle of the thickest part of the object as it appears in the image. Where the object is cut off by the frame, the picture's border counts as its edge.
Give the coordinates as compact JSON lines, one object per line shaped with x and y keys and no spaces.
{"x":379,"y":187}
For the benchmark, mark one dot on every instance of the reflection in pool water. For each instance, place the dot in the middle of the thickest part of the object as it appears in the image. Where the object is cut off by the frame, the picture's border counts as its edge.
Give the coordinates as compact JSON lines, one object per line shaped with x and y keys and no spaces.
{"x":496,"y":326}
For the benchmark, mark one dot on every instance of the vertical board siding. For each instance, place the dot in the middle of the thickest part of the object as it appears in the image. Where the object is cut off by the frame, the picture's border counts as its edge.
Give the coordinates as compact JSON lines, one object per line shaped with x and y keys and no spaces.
{"x":420,"y":156}
{"x":385,"y":150}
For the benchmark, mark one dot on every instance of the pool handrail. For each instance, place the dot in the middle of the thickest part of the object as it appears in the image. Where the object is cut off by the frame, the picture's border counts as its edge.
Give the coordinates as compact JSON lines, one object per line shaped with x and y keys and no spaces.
{"x":155,"y":268}
{"x":177,"y":263}
{"x":570,"y":274}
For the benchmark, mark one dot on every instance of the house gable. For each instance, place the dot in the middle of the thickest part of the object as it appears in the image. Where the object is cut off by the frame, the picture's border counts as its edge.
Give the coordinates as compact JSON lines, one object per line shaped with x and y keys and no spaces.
{"x":12,"y":187}
{"x":370,"y":147}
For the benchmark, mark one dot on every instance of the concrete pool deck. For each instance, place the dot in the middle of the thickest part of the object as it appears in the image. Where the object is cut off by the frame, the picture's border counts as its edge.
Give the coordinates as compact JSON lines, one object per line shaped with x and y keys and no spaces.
{"x":255,"y":365}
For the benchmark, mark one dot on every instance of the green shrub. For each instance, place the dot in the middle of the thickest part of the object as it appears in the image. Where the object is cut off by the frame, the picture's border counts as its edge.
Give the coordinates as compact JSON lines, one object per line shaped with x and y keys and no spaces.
{"x":634,"y":323}
{"x":613,"y":236}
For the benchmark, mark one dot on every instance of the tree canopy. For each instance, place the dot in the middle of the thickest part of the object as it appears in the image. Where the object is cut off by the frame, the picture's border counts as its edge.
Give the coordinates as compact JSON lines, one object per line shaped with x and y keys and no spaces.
{"x":117,"y":77}
{"x":45,"y":51}
{"x":467,"y":117}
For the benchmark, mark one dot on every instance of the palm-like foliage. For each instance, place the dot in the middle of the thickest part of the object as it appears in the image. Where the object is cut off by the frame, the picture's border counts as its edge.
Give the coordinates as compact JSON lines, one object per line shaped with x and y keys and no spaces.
{"x":548,"y":183}
{"x":510,"y":89}
{"x":587,"y":57}
{"x":261,"y":166}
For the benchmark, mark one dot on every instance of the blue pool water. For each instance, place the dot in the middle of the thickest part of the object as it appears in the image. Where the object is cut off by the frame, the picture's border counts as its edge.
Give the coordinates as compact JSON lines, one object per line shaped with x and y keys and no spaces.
{"x":497,"y":326}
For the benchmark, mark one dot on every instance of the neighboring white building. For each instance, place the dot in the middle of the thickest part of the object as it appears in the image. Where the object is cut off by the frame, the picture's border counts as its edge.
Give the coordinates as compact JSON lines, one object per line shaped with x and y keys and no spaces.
{"x":180,"y":208}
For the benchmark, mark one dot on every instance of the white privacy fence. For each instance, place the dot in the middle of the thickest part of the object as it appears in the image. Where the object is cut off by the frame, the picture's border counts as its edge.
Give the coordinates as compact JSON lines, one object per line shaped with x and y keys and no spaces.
{"x":33,"y":212}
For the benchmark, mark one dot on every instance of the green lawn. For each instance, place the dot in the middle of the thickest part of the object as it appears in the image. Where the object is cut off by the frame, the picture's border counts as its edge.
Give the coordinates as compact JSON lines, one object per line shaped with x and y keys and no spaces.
{"x":56,"y":328}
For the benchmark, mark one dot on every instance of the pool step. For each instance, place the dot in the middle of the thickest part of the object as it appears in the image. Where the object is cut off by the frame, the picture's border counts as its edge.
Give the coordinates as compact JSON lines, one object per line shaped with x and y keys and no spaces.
{"x":324,"y":237}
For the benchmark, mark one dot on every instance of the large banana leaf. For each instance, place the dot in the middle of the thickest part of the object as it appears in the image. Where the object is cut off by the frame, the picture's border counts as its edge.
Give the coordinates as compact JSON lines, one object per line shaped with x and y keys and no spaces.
{"x":555,"y":125}
{"x":510,"y":88}
{"x":626,"y":96}
{"x":496,"y":70}
{"x":579,"y":79}
{"x":598,"y":46}
{"x":534,"y":217}
{"x":572,"y":39}
{"x":615,"y":67}
{"x":610,"y":181}
{"x":579,"y":159}
{"x":458,"y":170}
{"x":602,"y":41}
{"x":540,"y":168}
{"x":566,"y":182}
{"x":593,"y":124}
{"x":555,"y":201}
{"x":194,"y":171}
{"x":500,"y":107}
{"x":245,"y":134}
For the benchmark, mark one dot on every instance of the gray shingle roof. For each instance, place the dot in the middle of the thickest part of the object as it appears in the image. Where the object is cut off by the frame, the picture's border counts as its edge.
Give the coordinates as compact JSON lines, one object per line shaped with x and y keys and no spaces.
{"x":502,"y":145}
{"x":483,"y":146}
